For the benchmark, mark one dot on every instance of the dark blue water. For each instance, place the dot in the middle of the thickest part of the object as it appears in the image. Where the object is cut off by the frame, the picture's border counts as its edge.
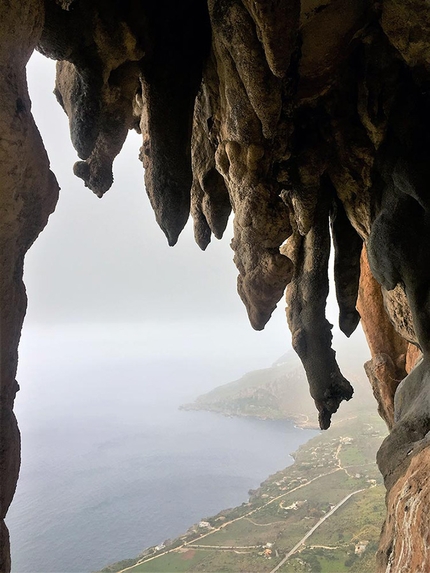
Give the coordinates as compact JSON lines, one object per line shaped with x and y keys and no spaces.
{"x":110,"y":464}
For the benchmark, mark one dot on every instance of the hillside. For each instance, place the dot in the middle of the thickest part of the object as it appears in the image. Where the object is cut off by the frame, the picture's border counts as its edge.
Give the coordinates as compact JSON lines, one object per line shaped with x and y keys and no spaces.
{"x":322,"y":514}
{"x":280,"y":392}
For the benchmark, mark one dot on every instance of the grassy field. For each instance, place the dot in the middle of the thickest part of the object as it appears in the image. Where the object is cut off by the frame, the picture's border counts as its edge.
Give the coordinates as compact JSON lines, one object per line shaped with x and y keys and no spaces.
{"x":177,"y":562}
{"x":255,"y":536}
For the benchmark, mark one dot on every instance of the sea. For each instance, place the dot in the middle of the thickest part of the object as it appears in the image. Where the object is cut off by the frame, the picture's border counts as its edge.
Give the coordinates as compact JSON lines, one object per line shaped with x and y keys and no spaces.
{"x":110,"y":464}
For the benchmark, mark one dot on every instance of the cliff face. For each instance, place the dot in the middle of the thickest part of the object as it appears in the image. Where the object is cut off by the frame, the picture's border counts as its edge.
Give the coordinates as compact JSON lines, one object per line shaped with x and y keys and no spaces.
{"x":310,"y":120}
{"x":28,"y":194}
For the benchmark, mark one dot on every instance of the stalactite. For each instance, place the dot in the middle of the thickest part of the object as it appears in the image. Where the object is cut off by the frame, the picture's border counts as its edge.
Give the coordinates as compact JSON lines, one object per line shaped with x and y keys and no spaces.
{"x":286,"y":113}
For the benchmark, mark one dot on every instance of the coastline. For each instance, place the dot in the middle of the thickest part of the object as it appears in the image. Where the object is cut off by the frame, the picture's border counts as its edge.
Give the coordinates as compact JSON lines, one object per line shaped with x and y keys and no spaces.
{"x":297,"y":420}
{"x":299,"y":476}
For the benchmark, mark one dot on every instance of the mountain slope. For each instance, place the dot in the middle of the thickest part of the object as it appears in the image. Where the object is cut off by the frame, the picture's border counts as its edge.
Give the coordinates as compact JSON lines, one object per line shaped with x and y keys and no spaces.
{"x":280,"y":392}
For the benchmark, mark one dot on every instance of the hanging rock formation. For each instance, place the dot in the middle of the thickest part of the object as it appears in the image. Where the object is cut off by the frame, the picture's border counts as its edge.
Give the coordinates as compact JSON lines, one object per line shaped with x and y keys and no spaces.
{"x":310,"y":120}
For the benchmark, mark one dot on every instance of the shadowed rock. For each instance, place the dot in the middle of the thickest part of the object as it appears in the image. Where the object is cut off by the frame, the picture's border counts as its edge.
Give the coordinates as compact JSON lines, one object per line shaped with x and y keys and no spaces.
{"x":306,"y":300}
{"x":283,"y":112}
{"x":28,"y":195}
{"x":347,"y":251}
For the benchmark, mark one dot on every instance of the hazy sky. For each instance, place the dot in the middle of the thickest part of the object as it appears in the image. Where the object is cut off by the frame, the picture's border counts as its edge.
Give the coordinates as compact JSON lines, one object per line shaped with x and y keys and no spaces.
{"x":111,"y":306}
{"x":106,"y":260}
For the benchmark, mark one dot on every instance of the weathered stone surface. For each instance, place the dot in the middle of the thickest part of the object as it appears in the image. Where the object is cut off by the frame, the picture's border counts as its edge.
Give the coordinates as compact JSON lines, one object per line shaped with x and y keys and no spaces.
{"x":387,"y":368}
{"x":306,"y":300}
{"x":405,"y":540}
{"x":407,"y":25}
{"x":28,"y":194}
{"x":291,"y":114}
{"x":348,"y":246}
{"x":248,"y":141}
{"x":411,"y":422}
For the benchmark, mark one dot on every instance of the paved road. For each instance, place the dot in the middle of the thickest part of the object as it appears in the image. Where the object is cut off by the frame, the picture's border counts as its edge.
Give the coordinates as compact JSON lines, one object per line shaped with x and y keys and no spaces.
{"x":193,"y":543}
{"x":309,"y":533}
{"x":190,"y":543}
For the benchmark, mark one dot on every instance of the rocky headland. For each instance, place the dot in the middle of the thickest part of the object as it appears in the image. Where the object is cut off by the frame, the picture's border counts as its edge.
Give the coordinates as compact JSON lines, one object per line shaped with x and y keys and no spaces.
{"x":310,"y":121}
{"x":279,"y":393}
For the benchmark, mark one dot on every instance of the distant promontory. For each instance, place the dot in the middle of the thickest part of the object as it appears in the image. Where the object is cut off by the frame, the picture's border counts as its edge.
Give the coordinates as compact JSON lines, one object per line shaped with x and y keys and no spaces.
{"x":277,"y":393}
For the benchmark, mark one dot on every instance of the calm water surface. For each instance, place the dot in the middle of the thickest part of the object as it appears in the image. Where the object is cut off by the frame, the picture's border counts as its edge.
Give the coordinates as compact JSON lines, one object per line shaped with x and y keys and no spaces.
{"x":110,"y":464}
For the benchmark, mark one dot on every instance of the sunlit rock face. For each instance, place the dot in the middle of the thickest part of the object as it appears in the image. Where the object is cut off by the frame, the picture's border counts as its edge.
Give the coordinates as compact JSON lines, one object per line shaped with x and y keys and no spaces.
{"x":310,"y":121}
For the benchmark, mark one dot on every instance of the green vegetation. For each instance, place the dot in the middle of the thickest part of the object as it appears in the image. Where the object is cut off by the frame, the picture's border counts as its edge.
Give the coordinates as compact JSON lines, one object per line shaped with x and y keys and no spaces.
{"x":263,"y":394}
{"x":181,"y":561}
{"x":267,"y":394}
{"x":118,"y":566}
{"x":323,"y":514}
{"x":333,"y":487}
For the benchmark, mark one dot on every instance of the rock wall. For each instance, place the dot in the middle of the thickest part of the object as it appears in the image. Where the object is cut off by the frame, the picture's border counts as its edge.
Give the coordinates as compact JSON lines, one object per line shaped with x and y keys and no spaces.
{"x":310,"y":121}
{"x":28,"y":194}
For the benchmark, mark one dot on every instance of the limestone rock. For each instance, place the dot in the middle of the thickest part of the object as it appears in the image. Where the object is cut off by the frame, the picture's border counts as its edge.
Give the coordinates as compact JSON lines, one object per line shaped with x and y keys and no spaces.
{"x":387,"y":368}
{"x":404,"y":462}
{"x":405,"y":539}
{"x":293,"y":115}
{"x":311,"y":331}
{"x":28,"y":194}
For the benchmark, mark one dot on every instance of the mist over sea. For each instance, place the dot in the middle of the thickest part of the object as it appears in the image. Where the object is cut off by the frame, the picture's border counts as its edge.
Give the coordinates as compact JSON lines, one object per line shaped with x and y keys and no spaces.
{"x":110,"y":465}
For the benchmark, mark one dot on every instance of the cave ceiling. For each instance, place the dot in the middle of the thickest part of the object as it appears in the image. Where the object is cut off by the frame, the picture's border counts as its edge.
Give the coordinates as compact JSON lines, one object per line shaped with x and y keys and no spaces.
{"x":308,"y":122}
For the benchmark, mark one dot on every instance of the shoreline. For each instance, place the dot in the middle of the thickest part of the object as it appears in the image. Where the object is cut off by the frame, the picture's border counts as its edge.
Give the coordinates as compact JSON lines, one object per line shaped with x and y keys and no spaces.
{"x":164,"y":549}
{"x":306,"y":424}
{"x":282,"y":484}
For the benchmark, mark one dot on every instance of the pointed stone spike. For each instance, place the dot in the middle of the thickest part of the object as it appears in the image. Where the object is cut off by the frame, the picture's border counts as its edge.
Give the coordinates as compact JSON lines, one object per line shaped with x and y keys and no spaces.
{"x":306,"y":302}
{"x":181,"y":34}
{"x":278,"y":24}
{"x":347,"y":252}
